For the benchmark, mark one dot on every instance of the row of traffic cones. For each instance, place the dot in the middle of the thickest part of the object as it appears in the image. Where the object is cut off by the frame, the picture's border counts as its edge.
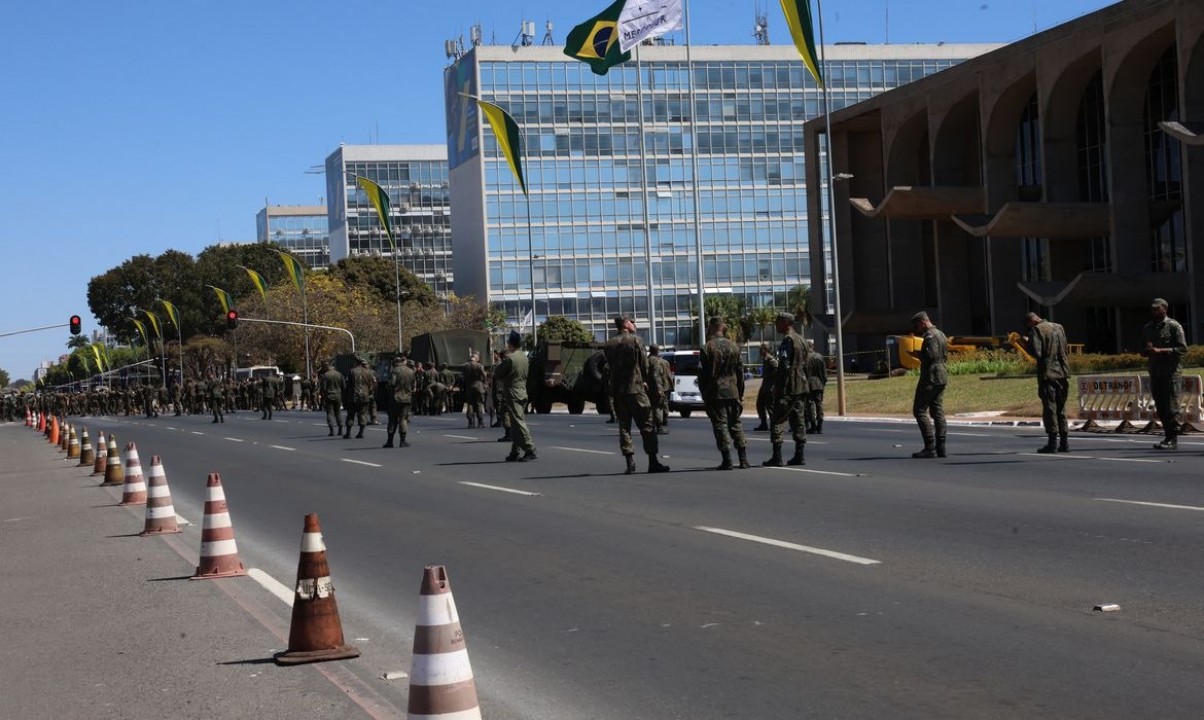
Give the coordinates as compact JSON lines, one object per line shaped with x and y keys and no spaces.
{"x":441,"y":679}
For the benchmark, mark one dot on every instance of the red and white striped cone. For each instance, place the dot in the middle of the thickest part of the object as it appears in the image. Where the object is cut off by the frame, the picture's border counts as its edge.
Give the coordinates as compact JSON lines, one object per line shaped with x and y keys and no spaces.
{"x":64,"y":437}
{"x":73,"y":449}
{"x":441,"y":683}
{"x":114,"y":473}
{"x":41,"y":422}
{"x":219,"y":552}
{"x":160,"y":513}
{"x":315,"y":633}
{"x":27,"y":417}
{"x":133,"y":492}
{"x":86,"y":454}
{"x":102,"y":455}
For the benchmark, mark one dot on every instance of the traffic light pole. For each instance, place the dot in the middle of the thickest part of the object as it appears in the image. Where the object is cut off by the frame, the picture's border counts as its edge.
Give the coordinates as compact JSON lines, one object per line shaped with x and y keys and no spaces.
{"x":29,"y":330}
{"x":304,"y":325}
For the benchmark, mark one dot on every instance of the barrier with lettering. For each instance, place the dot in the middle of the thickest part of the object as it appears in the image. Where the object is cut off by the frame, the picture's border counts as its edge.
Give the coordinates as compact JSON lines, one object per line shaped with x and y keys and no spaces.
{"x":1190,"y":401}
{"x":1127,"y":399}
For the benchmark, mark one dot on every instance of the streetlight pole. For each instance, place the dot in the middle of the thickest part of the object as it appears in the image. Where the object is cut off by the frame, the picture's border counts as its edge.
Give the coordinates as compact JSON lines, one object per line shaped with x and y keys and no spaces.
{"x":841,"y":406}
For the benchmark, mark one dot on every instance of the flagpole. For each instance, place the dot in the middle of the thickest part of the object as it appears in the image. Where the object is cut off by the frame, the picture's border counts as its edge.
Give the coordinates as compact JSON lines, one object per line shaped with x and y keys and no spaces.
{"x":531,"y":268}
{"x":305,"y":314}
{"x":639,"y":98}
{"x":841,"y":406}
{"x":694,"y":172}
{"x":397,"y":293}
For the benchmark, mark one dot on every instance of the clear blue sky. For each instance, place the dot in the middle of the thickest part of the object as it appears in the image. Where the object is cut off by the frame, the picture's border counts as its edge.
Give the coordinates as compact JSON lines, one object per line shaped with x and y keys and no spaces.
{"x":134,"y":127}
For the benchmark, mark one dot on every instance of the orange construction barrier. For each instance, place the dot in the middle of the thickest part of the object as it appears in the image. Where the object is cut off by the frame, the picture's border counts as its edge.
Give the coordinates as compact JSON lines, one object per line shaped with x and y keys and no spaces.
{"x":160,"y":513}
{"x":219,"y":552}
{"x":316,"y":633}
{"x":441,"y":682}
{"x":134,"y":490}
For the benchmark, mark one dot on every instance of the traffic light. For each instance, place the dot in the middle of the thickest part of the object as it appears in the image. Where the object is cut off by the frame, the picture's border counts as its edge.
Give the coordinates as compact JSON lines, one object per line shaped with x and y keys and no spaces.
{"x":231,"y":319}
{"x":75,"y":324}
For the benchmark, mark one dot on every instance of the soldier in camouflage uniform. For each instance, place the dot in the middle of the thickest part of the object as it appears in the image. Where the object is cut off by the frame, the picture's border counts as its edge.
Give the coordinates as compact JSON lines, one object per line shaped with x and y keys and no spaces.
{"x":474,"y":392}
{"x":790,"y":389}
{"x":930,"y":390}
{"x":511,"y":375}
{"x":663,"y":377}
{"x":1165,"y":346}
{"x":769,"y":368}
{"x":401,"y":393}
{"x":817,"y":378}
{"x":629,"y":377}
{"x":217,"y":399}
{"x":363,"y":387}
{"x":332,"y":386}
{"x":721,"y":380}
{"x":268,"y":390}
{"x":1047,"y":345}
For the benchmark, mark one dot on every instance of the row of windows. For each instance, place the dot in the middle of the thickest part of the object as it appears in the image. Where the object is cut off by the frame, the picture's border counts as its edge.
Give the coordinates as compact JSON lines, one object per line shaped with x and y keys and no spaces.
{"x":732,"y":236}
{"x":661,"y":204}
{"x":610,"y":273}
{"x":396,"y":172}
{"x":773,"y":75}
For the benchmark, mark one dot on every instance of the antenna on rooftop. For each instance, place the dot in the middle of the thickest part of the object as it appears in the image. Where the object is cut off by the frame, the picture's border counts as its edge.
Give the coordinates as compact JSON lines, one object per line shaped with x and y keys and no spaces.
{"x":526,"y":35}
{"x":761,"y":27}
{"x":476,"y":35}
{"x":547,"y":36}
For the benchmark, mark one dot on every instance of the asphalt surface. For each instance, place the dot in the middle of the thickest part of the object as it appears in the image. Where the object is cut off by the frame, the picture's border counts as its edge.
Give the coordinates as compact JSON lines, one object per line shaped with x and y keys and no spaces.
{"x":865,"y":585}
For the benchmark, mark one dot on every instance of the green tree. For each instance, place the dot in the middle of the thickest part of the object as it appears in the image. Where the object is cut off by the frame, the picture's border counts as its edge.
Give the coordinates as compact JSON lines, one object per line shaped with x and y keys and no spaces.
{"x":222,"y":266}
{"x":4,"y":380}
{"x":379,"y":275}
{"x":559,"y":328}
{"x":798,"y":303}
{"x":139,"y":284}
{"x":730,"y":307}
{"x":77,"y":341}
{"x":757,"y":319}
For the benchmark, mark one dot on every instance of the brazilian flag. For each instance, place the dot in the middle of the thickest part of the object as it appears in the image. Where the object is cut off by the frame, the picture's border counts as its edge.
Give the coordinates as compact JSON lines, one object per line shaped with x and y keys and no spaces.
{"x":509,"y":139}
{"x":802,"y":31}
{"x":595,"y":42}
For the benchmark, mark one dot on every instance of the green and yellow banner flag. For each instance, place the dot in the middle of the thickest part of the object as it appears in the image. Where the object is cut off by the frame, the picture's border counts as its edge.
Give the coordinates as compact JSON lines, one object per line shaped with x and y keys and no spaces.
{"x":509,"y":139}
{"x":259,"y":283}
{"x":802,"y":31}
{"x":380,"y":200}
{"x":154,"y":321}
{"x":172,"y":314}
{"x":83,"y":360}
{"x":96,"y":353}
{"x":595,"y":42}
{"x":223,"y":297}
{"x":141,"y":331}
{"x":292,"y":266}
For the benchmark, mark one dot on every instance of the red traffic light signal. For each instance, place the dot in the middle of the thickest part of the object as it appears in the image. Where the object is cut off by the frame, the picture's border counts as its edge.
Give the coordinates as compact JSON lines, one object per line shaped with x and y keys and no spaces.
{"x":75,"y":324}
{"x":231,"y":319}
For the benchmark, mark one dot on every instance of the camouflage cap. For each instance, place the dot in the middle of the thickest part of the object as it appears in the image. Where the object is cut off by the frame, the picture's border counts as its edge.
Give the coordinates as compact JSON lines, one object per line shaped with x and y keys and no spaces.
{"x":784,"y":317}
{"x":621,"y":320}
{"x":919,"y":317}
{"x":1159,"y":302}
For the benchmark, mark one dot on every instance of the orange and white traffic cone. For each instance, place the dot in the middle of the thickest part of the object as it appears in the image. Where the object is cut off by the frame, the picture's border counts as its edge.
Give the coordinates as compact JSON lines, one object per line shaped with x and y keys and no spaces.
{"x":114,"y":474}
{"x":52,"y":435}
{"x":102,"y":455}
{"x":160,"y":513}
{"x":219,"y":552}
{"x":441,"y":683}
{"x":316,"y":633}
{"x":27,"y":417}
{"x":73,"y":449}
{"x":133,"y":492}
{"x":86,"y":454}
{"x":64,"y":436}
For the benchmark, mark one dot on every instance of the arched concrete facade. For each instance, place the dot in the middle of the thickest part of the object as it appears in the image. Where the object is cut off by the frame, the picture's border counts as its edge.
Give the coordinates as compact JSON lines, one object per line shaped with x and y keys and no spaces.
{"x":1191,"y":108}
{"x":961,"y":267}
{"x":910,"y":241}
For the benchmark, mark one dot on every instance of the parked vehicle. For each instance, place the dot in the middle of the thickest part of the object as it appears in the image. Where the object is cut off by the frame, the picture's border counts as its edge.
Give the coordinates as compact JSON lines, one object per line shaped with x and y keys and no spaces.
{"x":567,"y":373}
{"x":685,"y":397}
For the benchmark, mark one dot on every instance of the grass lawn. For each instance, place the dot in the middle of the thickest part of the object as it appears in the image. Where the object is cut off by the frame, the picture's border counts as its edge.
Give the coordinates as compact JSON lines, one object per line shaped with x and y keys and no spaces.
{"x":965,"y":394}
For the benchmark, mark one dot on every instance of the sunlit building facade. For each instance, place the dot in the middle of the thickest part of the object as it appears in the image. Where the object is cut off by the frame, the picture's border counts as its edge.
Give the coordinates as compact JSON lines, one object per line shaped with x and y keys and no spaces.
{"x":302,"y":229}
{"x":415,"y":178}
{"x":610,"y":225}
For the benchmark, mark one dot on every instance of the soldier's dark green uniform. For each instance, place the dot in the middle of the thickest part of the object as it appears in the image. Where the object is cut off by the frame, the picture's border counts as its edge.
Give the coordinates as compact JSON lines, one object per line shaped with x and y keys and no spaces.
{"x":474,"y":392}
{"x":817,"y":378}
{"x":269,"y":389}
{"x":363,"y":387}
{"x":1165,"y":346}
{"x":721,"y":380}
{"x":662,"y":375}
{"x":790,"y":389}
{"x":769,"y":369}
{"x":630,"y":374}
{"x":1047,"y":345}
{"x":511,"y":375}
{"x":929,"y":399}
{"x":217,"y":399}
{"x":401,"y":394}
{"x":332,"y":386}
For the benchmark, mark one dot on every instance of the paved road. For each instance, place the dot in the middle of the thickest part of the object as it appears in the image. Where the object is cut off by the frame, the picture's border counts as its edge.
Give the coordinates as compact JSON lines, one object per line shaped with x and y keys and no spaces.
{"x":865,"y":585}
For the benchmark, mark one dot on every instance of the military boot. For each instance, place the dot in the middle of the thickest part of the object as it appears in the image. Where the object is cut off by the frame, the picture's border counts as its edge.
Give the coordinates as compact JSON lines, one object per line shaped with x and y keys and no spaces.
{"x":798,"y":455}
{"x":655,"y":465}
{"x":401,"y":441}
{"x":528,"y":456}
{"x":940,"y":446}
{"x":389,"y":442}
{"x":1063,"y":443}
{"x":742,"y":453}
{"x":329,"y":434}
{"x":347,"y":435}
{"x":727,"y":461}
{"x":359,"y":435}
{"x":630,"y":464}
{"x":1050,"y":447}
{"x":1168,"y":443}
{"x":776,"y":459}
{"x":929,"y":450}
{"x":819,"y":427}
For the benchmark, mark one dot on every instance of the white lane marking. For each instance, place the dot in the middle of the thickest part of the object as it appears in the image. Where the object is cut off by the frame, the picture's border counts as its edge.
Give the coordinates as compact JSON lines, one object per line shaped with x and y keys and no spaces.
{"x":965,"y":434}
{"x":318,"y":424}
{"x":583,"y":450}
{"x":1064,"y":456}
{"x":790,"y":546}
{"x":887,"y":430}
{"x":281,"y":447}
{"x":197,"y":432}
{"x":234,"y":439}
{"x":462,"y":437}
{"x":818,"y":472}
{"x":272,"y":585}
{"x":809,"y":441}
{"x":500,"y":489}
{"x":360,"y":462}
{"x":169,"y":427}
{"x":1130,"y":440}
{"x":1152,"y":504}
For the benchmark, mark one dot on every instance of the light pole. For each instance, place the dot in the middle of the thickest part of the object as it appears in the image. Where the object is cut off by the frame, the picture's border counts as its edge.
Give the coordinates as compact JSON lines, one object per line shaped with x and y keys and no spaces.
{"x":841,"y":405}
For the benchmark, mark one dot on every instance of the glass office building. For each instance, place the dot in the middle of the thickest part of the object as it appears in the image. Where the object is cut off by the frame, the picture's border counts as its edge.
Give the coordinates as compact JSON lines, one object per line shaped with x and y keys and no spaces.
{"x":302,"y":229}
{"x":415,"y":178}
{"x":612,"y":210}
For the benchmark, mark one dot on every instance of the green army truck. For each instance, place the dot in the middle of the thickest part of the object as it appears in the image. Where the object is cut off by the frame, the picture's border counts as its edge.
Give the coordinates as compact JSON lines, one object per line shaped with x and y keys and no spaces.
{"x":567,"y":373}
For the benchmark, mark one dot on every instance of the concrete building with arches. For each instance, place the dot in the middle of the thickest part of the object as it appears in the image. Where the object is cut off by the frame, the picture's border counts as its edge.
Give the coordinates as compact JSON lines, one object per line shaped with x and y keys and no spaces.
{"x":1062,"y":174}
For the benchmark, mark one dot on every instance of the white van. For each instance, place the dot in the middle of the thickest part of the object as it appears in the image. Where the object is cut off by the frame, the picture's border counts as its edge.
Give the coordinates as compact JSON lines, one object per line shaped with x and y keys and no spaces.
{"x":685,"y":397}
{"x":257,"y":371}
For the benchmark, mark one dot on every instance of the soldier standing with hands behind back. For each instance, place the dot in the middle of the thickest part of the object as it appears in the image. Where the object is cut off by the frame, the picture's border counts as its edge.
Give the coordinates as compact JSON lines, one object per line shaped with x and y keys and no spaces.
{"x":1047,"y":345}
{"x":511,"y":375}
{"x":790,"y":390}
{"x":1165,"y":346}
{"x":721,"y":380}
{"x":630,"y":379}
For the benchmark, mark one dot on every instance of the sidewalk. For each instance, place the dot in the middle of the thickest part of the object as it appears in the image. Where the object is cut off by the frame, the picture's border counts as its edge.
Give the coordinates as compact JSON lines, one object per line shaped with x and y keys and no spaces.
{"x":101,"y":623}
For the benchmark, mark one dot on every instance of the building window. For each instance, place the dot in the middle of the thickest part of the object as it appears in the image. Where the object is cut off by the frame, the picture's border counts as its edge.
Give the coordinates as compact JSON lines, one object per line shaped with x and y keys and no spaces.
{"x":1091,"y":138}
{"x":1034,"y":252}
{"x":1164,"y":172}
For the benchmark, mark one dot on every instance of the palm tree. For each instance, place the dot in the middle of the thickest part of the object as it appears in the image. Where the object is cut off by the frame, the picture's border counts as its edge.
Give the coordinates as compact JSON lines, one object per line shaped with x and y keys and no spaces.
{"x":798,"y":303}
{"x":78,"y":341}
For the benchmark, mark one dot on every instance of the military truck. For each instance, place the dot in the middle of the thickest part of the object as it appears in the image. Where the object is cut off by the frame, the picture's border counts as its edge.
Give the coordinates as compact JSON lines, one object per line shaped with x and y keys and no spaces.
{"x":567,"y":373}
